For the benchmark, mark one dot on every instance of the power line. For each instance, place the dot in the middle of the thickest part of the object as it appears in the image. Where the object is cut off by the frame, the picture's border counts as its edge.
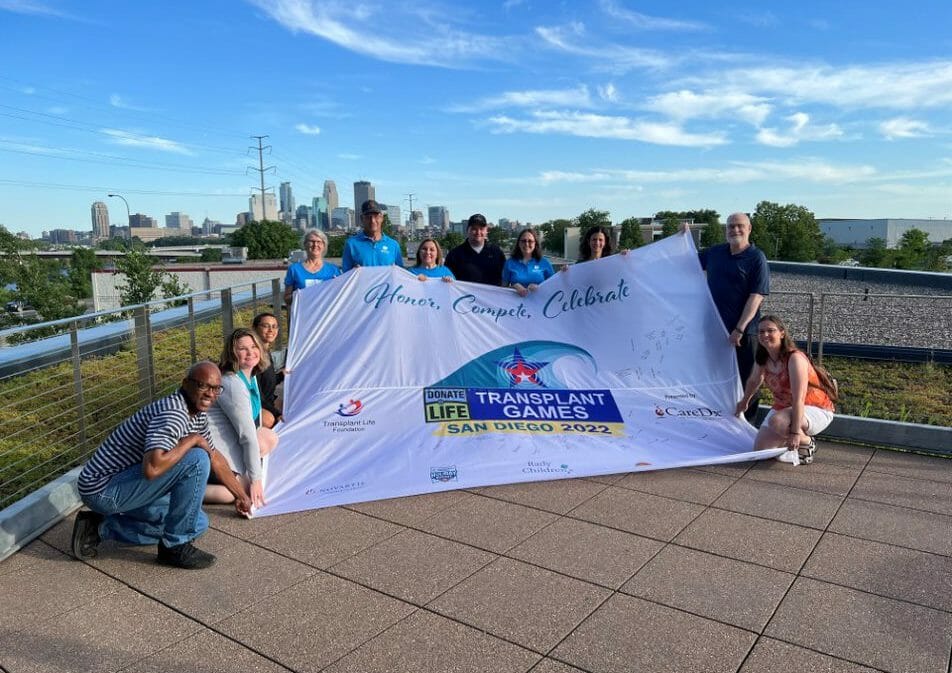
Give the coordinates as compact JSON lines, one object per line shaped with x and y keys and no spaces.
{"x":261,"y":169}
{"x":100,"y":188}
{"x":113,"y":160}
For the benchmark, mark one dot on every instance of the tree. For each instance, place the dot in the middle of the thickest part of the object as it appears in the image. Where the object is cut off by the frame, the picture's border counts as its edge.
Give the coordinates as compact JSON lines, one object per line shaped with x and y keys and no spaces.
{"x":712,"y":234}
{"x":81,"y":266}
{"x":266,"y":239}
{"x":670,"y":226}
{"x":831,"y":252}
{"x":141,"y":281}
{"x":450,"y":240}
{"x":630,"y":237}
{"x":553,"y":235}
{"x":211,"y":255}
{"x":593,"y":218}
{"x":876,"y":254}
{"x":335,"y":246}
{"x":40,"y":283}
{"x":789,"y":232}
{"x":498,"y":236}
{"x":913,"y":249}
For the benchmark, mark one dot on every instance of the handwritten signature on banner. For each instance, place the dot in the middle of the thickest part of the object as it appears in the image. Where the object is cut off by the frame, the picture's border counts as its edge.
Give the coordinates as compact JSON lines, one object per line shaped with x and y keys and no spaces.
{"x":556,"y":304}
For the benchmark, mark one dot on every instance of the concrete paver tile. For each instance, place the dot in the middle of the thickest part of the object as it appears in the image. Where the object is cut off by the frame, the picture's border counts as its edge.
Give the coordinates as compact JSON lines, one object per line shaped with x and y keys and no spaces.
{"x":48,"y":587}
{"x":227,"y":520}
{"x":428,"y":643}
{"x":558,"y":495}
{"x":324,"y":537}
{"x":780,"y":503}
{"x":894,"y":525}
{"x":30,"y":555}
{"x":315,"y":622}
{"x":553,"y":666}
{"x":906,"y":574}
{"x":487,"y":523}
{"x":640,"y":513}
{"x":736,"y":470}
{"x":587,"y":551}
{"x":681,"y":484}
{"x":825,"y":477}
{"x":206,"y":652}
{"x":607,"y":479}
{"x":911,"y":465}
{"x":410,"y":510}
{"x":874,"y":631}
{"x":630,"y":635}
{"x":59,"y":536}
{"x":771,"y":543}
{"x":933,"y":496}
{"x":105,"y":635}
{"x":530,"y":606}
{"x":844,"y":455}
{"x":413,"y":566}
{"x":729,"y":591}
{"x":244,"y":575}
{"x":773,"y":656}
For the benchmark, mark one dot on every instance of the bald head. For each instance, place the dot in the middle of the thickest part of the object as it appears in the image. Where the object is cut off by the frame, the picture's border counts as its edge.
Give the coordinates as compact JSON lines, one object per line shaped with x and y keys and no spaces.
{"x":201,"y":385}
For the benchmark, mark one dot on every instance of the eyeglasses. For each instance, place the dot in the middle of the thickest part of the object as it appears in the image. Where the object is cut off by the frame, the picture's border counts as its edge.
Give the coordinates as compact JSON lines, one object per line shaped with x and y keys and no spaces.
{"x":206,"y":387}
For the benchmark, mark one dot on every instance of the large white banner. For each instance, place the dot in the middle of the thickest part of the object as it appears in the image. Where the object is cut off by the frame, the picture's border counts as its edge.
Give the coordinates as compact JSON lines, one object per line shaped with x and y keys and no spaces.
{"x":398,"y":387}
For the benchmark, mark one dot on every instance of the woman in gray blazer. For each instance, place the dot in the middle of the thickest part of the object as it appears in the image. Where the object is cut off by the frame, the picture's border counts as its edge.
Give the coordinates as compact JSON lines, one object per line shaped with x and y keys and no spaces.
{"x":235,"y":417}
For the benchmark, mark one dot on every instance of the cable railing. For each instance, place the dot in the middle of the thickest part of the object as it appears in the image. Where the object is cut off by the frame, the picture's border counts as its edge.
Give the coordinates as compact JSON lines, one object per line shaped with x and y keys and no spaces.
{"x":61,"y":395}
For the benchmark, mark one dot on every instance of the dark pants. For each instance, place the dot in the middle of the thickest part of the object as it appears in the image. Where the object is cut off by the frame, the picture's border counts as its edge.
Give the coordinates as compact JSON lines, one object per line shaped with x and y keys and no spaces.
{"x":745,"y":363}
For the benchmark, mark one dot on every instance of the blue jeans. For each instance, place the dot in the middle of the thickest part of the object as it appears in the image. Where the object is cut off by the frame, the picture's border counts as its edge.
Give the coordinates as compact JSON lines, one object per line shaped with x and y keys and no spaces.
{"x":168,"y":508}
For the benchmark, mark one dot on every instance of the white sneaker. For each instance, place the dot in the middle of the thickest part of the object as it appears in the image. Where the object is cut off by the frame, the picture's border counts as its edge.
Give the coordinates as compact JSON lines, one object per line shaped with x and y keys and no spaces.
{"x":792,"y":457}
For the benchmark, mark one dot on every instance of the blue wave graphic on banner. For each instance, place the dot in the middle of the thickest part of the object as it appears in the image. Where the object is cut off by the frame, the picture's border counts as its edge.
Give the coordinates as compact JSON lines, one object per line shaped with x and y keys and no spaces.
{"x":529,"y":364}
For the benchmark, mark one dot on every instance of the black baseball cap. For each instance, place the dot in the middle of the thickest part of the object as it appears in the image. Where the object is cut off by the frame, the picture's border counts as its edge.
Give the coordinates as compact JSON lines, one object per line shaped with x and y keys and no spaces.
{"x":370,"y":206}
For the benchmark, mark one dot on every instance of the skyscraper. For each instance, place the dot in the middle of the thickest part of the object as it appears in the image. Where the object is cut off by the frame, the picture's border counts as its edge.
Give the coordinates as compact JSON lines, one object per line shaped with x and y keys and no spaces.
{"x":393,"y":212}
{"x":322,"y":218}
{"x":180,"y":221}
{"x":287,"y":200}
{"x":363,"y":190}
{"x":439,"y":218}
{"x":270,"y":208}
{"x":100,"y":216}
{"x":330,"y":195}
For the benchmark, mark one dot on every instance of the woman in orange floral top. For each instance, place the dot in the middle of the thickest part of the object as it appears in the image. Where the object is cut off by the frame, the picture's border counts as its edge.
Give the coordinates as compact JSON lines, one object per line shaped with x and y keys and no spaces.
{"x":803,"y":398}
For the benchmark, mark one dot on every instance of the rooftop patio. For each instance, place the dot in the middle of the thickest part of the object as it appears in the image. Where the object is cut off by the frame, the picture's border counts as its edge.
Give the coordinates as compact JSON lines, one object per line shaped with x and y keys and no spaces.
{"x":844,"y":565}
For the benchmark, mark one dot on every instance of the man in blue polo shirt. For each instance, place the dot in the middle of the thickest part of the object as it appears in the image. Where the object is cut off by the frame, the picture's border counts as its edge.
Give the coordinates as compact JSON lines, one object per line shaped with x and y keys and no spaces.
{"x":371,"y":247}
{"x":739,"y":279}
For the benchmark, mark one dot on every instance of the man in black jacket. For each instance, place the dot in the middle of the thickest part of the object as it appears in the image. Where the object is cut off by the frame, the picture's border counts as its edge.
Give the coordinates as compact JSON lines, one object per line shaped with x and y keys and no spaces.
{"x":476,"y":260}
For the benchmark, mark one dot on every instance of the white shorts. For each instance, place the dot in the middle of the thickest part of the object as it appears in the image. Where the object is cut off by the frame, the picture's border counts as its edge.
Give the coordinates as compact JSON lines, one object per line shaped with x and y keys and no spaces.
{"x":817,"y":419}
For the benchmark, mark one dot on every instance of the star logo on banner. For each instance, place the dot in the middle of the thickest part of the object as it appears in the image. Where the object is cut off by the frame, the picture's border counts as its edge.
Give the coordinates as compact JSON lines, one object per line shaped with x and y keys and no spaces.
{"x":520,"y":371}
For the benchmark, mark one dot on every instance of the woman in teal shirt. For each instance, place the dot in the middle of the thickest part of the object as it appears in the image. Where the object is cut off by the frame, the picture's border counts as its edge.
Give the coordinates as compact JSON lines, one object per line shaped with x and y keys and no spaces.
{"x":526,"y":268}
{"x":429,"y":262}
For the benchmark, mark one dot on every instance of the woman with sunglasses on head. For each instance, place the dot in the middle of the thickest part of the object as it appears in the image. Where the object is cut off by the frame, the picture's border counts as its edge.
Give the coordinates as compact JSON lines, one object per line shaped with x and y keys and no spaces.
{"x":803,"y":394}
{"x":234,"y":418}
{"x":526,"y":268}
{"x":429,"y":262}
{"x":266,"y":327}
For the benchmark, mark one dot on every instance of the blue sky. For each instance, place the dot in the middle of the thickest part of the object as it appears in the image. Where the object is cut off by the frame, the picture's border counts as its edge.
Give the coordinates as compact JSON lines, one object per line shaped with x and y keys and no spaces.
{"x":515,"y":108}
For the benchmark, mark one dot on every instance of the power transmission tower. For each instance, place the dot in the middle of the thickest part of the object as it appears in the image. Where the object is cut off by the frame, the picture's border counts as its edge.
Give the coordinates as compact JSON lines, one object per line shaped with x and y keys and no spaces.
{"x":410,"y":218}
{"x":261,"y":169}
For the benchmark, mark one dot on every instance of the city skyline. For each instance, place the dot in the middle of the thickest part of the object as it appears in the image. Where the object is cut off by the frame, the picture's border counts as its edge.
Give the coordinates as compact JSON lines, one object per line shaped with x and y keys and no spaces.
{"x":517,"y":110}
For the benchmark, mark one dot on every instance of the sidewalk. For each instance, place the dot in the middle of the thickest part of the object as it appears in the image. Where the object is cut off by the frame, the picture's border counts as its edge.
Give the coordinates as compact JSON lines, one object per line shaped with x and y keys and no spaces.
{"x":844,"y":565}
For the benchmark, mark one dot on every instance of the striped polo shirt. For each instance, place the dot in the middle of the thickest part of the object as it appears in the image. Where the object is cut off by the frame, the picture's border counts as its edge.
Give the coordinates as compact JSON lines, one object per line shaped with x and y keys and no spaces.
{"x":159,"y":425}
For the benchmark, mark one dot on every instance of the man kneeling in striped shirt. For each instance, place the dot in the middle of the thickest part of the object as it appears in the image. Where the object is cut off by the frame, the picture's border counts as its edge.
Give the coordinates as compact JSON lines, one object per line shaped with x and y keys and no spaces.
{"x":145,"y":483}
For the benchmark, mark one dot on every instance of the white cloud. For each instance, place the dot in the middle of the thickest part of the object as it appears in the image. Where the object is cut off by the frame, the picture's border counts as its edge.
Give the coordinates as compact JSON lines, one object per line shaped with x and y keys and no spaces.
{"x":577,"y":97}
{"x":31,"y":7}
{"x":608,"y":92}
{"x":412,"y":36}
{"x":29,"y":90}
{"x":57,"y":110}
{"x":903,"y":127}
{"x":118,"y":101}
{"x":685,"y":104}
{"x":602,"y":126}
{"x":427,"y":160}
{"x":308,"y":129}
{"x":645,"y":22}
{"x":800,"y":130}
{"x":131,"y":139}
{"x":573,"y":39}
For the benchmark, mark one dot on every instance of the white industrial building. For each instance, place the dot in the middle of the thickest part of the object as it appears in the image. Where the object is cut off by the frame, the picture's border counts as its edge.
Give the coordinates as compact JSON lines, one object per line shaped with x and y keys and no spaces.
{"x":855,"y":233}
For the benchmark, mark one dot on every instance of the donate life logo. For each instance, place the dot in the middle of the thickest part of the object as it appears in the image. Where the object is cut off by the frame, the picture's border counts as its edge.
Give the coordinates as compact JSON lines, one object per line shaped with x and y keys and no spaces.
{"x":515,"y":389}
{"x":350,"y":408}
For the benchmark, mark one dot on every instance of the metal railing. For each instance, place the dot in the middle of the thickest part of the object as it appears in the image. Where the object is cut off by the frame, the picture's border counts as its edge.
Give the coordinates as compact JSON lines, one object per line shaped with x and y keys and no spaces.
{"x":61,"y":395}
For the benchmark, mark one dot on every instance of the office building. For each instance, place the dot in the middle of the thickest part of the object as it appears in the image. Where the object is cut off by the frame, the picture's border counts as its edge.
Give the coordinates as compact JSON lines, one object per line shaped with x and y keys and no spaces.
{"x":286,"y":202}
{"x":363,"y":191}
{"x":393,"y":213}
{"x":270,"y":209}
{"x":140,"y":221}
{"x":100,"y":217}
{"x":416,"y":220}
{"x":179,"y":221}
{"x":343,"y":219}
{"x":330,"y":195}
{"x":439,"y":218}
{"x":322,"y":219}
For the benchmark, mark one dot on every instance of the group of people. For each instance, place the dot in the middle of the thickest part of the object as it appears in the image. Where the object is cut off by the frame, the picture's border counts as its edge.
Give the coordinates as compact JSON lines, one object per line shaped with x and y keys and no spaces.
{"x":146,"y":483}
